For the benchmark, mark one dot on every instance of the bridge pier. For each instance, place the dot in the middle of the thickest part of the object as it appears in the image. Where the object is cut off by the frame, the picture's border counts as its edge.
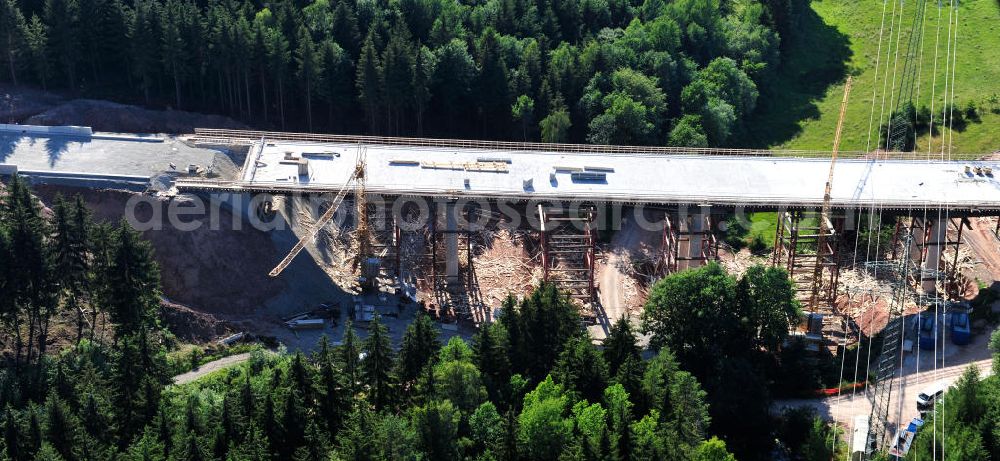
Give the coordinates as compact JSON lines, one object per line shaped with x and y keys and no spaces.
{"x":689,"y":241}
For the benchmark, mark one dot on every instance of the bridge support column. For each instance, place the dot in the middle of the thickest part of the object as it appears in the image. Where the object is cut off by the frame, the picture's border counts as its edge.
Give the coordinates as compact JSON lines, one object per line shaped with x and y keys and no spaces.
{"x":936,"y":234}
{"x":693,"y":242}
{"x":451,"y":267}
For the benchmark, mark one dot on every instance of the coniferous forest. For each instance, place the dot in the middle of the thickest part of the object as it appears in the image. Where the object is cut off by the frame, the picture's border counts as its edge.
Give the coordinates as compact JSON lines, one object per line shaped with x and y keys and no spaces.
{"x":683,"y":72}
{"x":530,"y":386}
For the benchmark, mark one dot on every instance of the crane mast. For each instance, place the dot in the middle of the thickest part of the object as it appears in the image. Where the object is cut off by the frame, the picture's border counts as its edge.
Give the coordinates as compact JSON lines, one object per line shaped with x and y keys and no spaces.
{"x":825,"y":224}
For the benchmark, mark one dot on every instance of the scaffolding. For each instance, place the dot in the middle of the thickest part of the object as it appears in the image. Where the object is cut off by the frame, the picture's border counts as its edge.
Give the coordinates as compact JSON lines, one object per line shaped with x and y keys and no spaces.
{"x":688,"y":242}
{"x":567,"y":243}
{"x":452,"y":275}
{"x":926,"y":242}
{"x":809,"y":252}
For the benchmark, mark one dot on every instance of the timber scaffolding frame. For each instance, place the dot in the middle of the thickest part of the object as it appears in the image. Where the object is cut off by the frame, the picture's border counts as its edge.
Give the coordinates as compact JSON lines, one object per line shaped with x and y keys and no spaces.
{"x":567,"y":247}
{"x":927,"y":243}
{"x":814,"y":268}
{"x":384,"y":236}
{"x":450,"y":257}
{"x":688,"y":241}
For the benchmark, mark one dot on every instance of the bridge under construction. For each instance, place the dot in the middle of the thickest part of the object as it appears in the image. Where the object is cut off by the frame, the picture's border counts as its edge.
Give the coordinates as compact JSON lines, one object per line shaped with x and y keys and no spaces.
{"x":306,"y":163}
{"x":564,"y":187}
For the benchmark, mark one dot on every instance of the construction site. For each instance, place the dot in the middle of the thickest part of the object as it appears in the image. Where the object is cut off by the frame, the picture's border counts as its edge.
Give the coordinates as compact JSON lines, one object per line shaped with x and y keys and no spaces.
{"x":321,"y":229}
{"x":389,"y":226}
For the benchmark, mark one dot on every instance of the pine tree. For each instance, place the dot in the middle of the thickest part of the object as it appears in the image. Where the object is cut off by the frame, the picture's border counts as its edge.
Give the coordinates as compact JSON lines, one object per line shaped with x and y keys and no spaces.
{"x":278,"y":58}
{"x":30,"y":274}
{"x":193,"y":450}
{"x":174,"y":46}
{"x":293,"y":425}
{"x":619,"y":421}
{"x":334,"y":403}
{"x":70,"y":248}
{"x":300,"y":377}
{"x":581,"y":368}
{"x":269,"y":422}
{"x":144,"y":41}
{"x":11,"y":434}
{"x":338,"y":82}
{"x":345,"y":28}
{"x":247,"y":405}
{"x":378,"y":364}
{"x":164,"y":430}
{"x":493,"y":97}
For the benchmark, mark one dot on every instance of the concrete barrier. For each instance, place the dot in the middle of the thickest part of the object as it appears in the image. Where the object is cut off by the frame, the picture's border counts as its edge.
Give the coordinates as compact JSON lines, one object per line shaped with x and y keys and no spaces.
{"x":7,"y":169}
{"x":40,"y":130}
{"x":87,"y":180}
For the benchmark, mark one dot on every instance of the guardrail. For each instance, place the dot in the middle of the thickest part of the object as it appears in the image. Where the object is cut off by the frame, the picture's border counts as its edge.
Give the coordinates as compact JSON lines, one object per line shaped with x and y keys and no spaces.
{"x":215,"y":136}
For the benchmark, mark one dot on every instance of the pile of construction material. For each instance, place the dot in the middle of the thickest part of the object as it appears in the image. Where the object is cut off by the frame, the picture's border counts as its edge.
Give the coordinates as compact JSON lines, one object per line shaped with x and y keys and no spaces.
{"x":314,"y":319}
{"x":504,"y":267}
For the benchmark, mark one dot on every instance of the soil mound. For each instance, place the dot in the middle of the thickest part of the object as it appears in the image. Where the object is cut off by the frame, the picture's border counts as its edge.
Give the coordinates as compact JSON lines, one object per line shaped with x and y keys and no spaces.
{"x":123,"y":118}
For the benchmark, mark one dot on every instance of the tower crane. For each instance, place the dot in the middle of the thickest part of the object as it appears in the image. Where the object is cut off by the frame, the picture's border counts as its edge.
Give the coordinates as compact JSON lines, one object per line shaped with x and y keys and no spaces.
{"x":825,"y":225}
{"x":357,"y":175}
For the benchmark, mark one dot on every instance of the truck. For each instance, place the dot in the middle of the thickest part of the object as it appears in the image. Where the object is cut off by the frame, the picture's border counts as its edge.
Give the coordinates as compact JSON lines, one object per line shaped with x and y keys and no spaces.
{"x":903,"y":439}
{"x":927,"y":329}
{"x":961,"y":330}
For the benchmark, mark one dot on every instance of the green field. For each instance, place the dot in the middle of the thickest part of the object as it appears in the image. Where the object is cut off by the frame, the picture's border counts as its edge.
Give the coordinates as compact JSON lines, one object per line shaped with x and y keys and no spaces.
{"x":839,"y":37}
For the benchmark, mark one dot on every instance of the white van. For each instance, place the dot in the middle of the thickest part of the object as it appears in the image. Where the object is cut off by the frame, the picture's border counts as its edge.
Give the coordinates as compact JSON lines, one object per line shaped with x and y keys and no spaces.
{"x":926,"y":399}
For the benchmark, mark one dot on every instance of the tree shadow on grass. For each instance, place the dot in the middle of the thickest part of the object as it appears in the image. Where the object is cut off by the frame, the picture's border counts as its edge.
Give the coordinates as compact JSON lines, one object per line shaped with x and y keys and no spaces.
{"x":814,"y":58}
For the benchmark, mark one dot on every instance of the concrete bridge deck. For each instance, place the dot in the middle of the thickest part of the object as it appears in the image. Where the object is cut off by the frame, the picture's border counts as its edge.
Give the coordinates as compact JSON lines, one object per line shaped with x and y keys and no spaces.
{"x":633,"y":176}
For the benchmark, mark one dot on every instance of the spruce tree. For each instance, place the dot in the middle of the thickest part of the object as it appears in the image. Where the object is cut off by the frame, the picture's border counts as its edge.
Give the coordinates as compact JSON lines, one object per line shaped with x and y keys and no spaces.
{"x":620,"y":345}
{"x":60,"y":427}
{"x":350,"y":353}
{"x":293,"y":425}
{"x":310,"y":69}
{"x":134,"y":281}
{"x":490,"y":348}
{"x":369,"y":81}
{"x":419,"y":347}
{"x":12,"y":38}
{"x":377,"y":364}
{"x":334,"y":401}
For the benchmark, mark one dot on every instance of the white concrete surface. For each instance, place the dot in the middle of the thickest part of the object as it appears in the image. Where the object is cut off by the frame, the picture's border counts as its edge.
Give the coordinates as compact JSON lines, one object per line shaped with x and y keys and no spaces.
{"x":101,"y":154}
{"x":635,"y":177}
{"x":43,"y":130}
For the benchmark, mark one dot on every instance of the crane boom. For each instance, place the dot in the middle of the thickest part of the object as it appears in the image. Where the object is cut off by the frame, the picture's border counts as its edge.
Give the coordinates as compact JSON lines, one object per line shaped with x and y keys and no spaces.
{"x":325,"y":218}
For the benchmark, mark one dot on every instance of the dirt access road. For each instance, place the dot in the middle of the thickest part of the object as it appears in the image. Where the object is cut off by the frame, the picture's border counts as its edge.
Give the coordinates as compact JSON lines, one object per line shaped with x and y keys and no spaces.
{"x":211,"y":367}
{"x":985,"y":245}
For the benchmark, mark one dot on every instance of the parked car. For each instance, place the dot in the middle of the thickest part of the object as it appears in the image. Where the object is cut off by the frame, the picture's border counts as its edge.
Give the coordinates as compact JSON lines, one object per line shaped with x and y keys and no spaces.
{"x":930,"y":395}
